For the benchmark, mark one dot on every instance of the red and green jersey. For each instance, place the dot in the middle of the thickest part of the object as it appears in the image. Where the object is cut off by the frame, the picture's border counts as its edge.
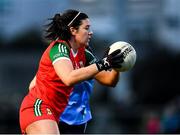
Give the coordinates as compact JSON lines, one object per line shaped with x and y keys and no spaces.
{"x":49,"y":86}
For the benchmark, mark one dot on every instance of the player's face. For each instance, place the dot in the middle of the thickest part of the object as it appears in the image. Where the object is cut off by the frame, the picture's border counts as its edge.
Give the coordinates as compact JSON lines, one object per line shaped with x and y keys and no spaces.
{"x":83,"y":34}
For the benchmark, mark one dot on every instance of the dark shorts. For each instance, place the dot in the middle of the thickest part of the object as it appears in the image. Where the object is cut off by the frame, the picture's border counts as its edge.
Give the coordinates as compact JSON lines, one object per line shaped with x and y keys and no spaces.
{"x":72,"y":129}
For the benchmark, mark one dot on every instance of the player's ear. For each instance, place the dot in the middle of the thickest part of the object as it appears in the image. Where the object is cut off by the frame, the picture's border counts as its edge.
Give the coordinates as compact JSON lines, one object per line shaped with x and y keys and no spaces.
{"x":73,"y":30}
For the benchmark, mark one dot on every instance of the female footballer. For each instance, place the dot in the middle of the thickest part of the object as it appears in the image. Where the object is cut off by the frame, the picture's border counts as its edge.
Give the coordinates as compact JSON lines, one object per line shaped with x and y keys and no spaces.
{"x":59,"y":70}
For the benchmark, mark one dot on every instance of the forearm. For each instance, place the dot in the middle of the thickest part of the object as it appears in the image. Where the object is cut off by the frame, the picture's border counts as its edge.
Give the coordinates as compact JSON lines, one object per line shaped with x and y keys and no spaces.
{"x":108,"y":78}
{"x":71,"y":76}
{"x":82,"y":74}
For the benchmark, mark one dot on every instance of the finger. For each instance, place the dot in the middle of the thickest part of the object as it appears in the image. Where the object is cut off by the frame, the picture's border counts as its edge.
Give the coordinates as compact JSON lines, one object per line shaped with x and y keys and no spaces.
{"x":106,"y":52}
{"x":118,"y":62}
{"x":119,"y":56}
{"x":118,"y":51}
{"x":117,"y":66}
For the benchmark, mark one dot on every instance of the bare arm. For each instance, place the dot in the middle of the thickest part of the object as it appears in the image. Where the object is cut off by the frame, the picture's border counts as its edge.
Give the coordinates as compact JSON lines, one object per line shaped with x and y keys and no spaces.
{"x":69,"y":76}
{"x":108,"y":78}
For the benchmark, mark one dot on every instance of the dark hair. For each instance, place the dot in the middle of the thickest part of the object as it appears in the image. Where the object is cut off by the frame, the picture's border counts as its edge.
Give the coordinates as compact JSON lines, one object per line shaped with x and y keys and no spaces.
{"x":58,"y":27}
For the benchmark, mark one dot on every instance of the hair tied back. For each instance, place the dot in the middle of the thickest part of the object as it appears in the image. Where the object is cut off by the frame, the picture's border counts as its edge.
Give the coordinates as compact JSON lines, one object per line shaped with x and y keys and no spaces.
{"x":56,"y":17}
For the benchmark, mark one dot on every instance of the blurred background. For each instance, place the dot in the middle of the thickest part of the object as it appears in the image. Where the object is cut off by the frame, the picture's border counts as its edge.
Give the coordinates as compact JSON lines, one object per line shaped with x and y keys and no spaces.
{"x":146,"y":99}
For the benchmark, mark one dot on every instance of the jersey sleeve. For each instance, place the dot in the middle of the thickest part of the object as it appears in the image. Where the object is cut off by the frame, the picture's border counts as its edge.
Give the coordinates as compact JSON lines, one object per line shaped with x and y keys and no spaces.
{"x":90,"y":58}
{"x":59,"y":51}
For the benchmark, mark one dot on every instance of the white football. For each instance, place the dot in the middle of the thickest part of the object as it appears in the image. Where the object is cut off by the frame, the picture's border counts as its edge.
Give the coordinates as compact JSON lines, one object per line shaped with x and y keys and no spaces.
{"x":129,"y":54}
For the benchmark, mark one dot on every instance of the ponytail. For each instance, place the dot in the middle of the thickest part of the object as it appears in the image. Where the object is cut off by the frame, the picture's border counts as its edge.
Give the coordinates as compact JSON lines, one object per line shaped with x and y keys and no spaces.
{"x":57,"y":28}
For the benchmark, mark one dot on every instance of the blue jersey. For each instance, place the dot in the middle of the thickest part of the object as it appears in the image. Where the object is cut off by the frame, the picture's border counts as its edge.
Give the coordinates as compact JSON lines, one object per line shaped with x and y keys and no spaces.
{"x":78,"y":110}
